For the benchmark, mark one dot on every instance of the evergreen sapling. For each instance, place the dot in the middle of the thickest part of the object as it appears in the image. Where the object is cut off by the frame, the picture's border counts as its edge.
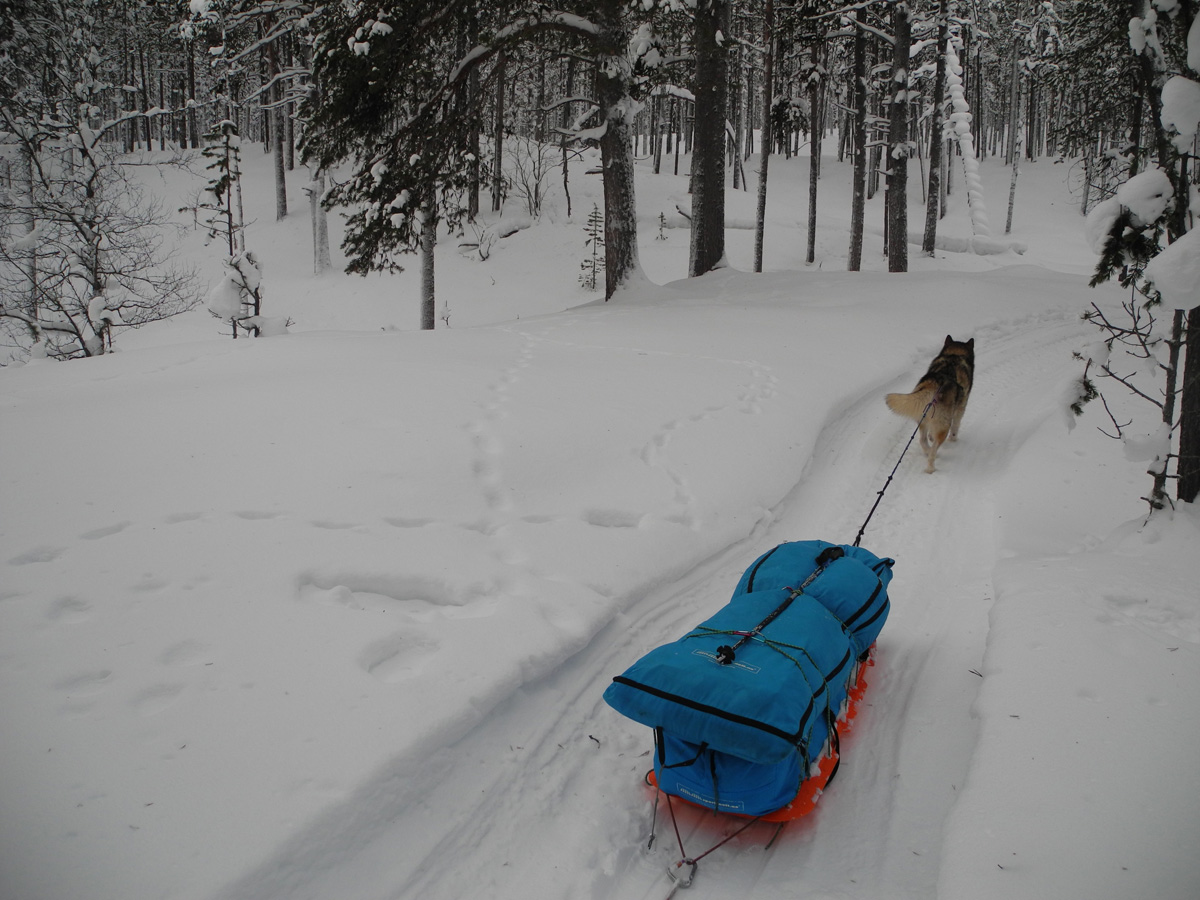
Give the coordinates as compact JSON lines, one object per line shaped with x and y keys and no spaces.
{"x":592,"y":268}
{"x":237,"y":297}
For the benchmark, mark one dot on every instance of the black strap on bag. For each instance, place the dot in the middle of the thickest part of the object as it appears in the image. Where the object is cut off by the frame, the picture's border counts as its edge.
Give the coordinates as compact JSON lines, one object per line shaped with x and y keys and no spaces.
{"x":835,"y":746}
{"x":726,"y":654}
{"x":661,"y":744}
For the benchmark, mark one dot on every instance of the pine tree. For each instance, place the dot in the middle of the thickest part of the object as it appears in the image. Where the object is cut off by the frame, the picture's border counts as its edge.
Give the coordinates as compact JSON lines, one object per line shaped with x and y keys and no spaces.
{"x":238,"y":298}
{"x":391,"y":106}
{"x":1149,"y":212}
{"x":593,"y":264}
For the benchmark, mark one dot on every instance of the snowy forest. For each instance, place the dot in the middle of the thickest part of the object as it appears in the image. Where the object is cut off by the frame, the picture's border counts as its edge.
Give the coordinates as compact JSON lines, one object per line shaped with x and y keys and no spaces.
{"x":378,"y":380}
{"x":406,"y":113}
{"x":410,"y":115}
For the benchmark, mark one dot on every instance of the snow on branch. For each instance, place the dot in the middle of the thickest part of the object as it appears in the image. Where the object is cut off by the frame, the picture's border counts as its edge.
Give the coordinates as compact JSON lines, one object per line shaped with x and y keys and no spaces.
{"x":960,"y":123}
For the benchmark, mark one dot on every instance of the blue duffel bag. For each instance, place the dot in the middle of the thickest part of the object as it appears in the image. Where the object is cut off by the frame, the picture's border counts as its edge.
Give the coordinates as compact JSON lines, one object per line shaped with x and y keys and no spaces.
{"x":743,"y":704}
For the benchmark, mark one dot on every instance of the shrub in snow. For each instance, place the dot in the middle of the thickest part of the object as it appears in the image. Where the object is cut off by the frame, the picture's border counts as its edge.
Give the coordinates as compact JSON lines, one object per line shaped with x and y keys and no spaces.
{"x":237,"y":297}
{"x":268,"y":326}
{"x":1181,"y":110}
{"x":1175,"y":273}
{"x":1146,"y":195}
{"x":225,"y":299}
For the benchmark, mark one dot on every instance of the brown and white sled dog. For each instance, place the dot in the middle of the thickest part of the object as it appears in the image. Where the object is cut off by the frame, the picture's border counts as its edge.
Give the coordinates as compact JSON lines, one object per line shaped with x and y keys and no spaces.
{"x":947,"y":385}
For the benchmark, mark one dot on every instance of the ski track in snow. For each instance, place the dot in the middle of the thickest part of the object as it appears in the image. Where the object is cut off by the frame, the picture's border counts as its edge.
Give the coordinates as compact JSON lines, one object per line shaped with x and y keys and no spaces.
{"x":876,"y":833}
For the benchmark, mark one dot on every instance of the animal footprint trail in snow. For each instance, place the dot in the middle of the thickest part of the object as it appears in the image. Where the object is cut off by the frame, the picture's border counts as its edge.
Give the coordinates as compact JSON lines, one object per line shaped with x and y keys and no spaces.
{"x":764,"y":387}
{"x":86,"y":683}
{"x":182,"y":517}
{"x":421,"y":607}
{"x":330,"y":525}
{"x":612,"y":518}
{"x":157,"y":698}
{"x":81,"y":691}
{"x":43,"y":554}
{"x":69,"y":611}
{"x":98,"y":533}
{"x":405,"y":522}
{"x":414,"y":596}
{"x":185,"y":653}
{"x":257,"y":515}
{"x":486,"y":445}
{"x":653,"y":455}
{"x":399,"y":657}
{"x":487,"y":449}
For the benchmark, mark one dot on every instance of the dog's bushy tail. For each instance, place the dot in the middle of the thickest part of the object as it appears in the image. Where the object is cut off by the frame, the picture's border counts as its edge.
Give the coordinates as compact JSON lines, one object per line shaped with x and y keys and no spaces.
{"x":910,"y":405}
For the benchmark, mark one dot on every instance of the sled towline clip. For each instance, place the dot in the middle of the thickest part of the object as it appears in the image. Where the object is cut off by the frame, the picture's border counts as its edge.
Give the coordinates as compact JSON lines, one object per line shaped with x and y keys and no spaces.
{"x":673,"y":871}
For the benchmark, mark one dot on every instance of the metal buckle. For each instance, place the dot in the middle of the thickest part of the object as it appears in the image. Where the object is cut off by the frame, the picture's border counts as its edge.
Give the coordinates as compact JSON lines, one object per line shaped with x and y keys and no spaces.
{"x":676,"y":876}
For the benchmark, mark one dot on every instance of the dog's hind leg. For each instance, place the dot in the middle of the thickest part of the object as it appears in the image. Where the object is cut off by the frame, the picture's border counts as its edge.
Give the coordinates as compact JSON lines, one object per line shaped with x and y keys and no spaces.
{"x":937,"y":437}
{"x":958,"y":414}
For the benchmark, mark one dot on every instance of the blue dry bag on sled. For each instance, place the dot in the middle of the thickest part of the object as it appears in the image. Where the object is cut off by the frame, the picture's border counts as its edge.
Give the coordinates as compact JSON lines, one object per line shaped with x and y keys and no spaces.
{"x":747,"y":701}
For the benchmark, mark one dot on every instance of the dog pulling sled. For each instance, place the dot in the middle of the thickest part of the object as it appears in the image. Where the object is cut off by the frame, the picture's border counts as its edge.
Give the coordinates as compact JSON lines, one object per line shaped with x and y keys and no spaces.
{"x":747,"y":707}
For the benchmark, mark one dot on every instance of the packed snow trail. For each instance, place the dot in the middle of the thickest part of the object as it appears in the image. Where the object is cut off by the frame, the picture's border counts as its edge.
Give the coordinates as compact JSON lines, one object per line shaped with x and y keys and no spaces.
{"x":520,"y":787}
{"x":878,"y":830}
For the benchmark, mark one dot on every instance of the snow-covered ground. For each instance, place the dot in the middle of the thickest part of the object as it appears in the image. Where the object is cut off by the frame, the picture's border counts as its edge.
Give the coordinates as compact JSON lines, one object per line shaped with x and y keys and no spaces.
{"x":329,"y":615}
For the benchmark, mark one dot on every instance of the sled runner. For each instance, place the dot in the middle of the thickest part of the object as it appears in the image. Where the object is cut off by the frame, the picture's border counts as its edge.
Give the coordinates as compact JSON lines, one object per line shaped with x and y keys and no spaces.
{"x":746,"y":707}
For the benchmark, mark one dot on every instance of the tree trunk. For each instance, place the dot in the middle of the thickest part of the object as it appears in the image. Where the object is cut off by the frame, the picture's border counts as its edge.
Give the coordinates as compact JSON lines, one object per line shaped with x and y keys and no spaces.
{"x":1189,"y":413}
{"x":975,"y":85}
{"x":677,"y":124}
{"x":876,"y":150}
{"x":162,"y":104}
{"x":539,"y":126}
{"x":569,"y":91}
{"x":933,"y":201}
{"x":1014,"y":118}
{"x":278,"y":129}
{"x":24,"y":183}
{"x":498,"y":142}
{"x":736,"y":114}
{"x":1012,"y":190}
{"x":616,"y":152}
{"x":966,"y":142}
{"x":707,"y":250}
{"x":859,"y":197}
{"x":1031,"y":120}
{"x":1135,"y":135}
{"x":897,"y":194}
{"x":765,"y":150}
{"x":748,"y":149}
{"x":320,"y":223}
{"x":144,"y":92}
{"x":815,"y":86}
{"x":471,"y":29}
{"x":1152,"y":91}
{"x":193,"y":127}
{"x":428,"y":244}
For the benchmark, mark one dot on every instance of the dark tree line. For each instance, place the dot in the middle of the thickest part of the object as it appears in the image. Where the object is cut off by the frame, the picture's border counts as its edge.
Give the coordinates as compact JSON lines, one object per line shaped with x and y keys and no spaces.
{"x":416,"y":102}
